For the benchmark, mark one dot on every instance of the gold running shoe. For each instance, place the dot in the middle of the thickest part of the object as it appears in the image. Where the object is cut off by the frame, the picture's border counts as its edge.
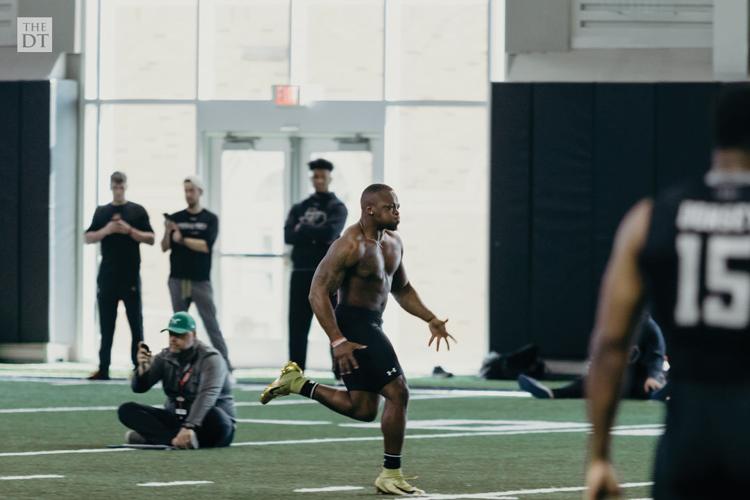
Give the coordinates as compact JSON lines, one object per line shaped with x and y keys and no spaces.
{"x":392,"y":482}
{"x":290,"y":381}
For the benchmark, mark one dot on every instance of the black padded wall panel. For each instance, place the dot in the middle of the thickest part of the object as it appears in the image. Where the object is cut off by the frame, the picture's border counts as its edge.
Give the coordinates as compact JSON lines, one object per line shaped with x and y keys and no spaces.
{"x":10,"y":117}
{"x":510,"y":212}
{"x":34,"y":212}
{"x":586,"y":152}
{"x":561,"y":248}
{"x":624,"y":149}
{"x":683,"y":130}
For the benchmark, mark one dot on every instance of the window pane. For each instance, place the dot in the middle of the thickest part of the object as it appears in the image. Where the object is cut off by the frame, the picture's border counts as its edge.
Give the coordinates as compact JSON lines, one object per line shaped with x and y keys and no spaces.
{"x":442,"y":56}
{"x":252,"y":182}
{"x":89,"y":329}
{"x":155,"y":146}
{"x":444,"y":214}
{"x":244,"y":48}
{"x":148,"y":49}
{"x":91,"y":48}
{"x":338,"y":48}
{"x":251,"y":309}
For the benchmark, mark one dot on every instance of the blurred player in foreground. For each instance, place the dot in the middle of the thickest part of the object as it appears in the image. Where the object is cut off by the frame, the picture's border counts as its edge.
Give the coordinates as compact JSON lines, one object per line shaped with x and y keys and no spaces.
{"x":688,"y":251}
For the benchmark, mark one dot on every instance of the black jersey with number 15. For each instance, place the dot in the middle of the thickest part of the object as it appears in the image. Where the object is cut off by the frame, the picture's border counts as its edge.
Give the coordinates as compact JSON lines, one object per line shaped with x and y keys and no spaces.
{"x":696,"y":264}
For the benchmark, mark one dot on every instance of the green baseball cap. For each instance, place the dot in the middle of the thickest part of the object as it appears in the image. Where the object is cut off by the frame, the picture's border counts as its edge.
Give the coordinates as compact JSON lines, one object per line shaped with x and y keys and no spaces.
{"x":181,"y":323}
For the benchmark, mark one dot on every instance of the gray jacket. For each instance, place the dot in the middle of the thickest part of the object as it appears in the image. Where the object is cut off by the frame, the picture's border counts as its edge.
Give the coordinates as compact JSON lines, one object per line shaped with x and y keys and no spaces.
{"x":207,"y":386}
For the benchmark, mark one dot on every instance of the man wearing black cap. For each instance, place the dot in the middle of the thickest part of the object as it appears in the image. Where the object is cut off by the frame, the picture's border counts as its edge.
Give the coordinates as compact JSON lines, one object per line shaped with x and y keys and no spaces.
{"x":312,"y":225}
{"x":199,"y":411}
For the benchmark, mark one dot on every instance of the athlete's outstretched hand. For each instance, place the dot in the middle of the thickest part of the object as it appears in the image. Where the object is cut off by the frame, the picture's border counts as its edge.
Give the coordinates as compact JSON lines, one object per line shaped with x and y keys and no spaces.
{"x":438,"y":331}
{"x":601,"y":481}
{"x":343,"y":356}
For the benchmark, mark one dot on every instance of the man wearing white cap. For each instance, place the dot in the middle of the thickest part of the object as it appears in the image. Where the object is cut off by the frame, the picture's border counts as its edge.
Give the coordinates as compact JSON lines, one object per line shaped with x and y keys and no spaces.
{"x":190,"y":235}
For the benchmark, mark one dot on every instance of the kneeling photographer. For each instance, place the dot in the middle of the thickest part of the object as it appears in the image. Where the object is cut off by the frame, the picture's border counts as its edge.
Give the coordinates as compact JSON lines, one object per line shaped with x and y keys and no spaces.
{"x":199,"y":411}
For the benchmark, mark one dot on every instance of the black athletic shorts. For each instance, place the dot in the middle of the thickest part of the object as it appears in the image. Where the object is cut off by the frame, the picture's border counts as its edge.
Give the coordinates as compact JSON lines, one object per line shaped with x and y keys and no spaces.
{"x":705,"y":450}
{"x":378,"y":364}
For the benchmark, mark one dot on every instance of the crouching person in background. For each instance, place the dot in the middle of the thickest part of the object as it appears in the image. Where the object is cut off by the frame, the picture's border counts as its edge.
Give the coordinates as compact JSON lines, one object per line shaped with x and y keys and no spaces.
{"x":199,"y":411}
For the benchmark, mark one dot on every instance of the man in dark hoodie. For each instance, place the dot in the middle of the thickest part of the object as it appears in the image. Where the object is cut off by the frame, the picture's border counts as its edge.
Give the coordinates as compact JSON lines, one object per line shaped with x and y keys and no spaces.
{"x":199,"y":411}
{"x":312,"y":225}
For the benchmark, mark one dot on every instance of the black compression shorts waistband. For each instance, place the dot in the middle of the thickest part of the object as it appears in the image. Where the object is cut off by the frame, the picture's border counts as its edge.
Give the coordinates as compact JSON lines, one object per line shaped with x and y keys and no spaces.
{"x":354,"y":312}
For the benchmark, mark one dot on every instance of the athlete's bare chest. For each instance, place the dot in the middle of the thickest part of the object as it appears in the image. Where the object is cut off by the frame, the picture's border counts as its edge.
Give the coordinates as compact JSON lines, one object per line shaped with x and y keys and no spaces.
{"x":378,"y":260}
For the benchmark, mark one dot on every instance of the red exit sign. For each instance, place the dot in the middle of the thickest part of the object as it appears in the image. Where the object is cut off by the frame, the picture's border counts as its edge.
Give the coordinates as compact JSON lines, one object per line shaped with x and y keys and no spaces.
{"x":286,"y":95}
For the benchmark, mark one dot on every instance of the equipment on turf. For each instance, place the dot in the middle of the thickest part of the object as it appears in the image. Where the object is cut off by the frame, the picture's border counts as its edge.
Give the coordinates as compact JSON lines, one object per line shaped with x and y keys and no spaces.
{"x":507,"y":366}
{"x":392,"y":482}
{"x":532,"y":386}
{"x":290,"y":381}
{"x":143,"y":446}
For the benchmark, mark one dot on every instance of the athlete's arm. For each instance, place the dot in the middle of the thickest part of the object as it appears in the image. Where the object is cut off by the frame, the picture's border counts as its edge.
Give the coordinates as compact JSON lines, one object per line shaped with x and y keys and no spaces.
{"x":138,"y":235}
{"x":328,"y":278}
{"x":291,"y":227}
{"x":144,"y":377}
{"x":196,"y":244}
{"x":166,"y":241}
{"x":97,"y":236}
{"x":329,"y":230}
{"x":204,"y":244}
{"x":99,"y":229}
{"x":620,"y":300}
{"x":408,"y":298}
{"x":146,"y":237}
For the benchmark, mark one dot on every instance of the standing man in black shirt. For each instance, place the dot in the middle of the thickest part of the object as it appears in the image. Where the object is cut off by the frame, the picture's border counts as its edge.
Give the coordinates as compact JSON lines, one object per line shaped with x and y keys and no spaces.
{"x":121,"y":226}
{"x":312,"y":225}
{"x":191,"y":234}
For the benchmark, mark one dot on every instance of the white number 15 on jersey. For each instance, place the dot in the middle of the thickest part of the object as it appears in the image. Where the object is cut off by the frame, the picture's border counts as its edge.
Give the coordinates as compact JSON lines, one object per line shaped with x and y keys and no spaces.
{"x":727,"y":303}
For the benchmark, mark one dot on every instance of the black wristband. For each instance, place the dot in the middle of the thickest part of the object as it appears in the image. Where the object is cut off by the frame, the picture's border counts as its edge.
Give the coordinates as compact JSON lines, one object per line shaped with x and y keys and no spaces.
{"x":190,"y":426}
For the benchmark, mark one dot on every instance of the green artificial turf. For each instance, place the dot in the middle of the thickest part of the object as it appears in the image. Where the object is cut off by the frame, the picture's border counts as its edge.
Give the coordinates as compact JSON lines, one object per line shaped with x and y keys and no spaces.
{"x":447,"y":465}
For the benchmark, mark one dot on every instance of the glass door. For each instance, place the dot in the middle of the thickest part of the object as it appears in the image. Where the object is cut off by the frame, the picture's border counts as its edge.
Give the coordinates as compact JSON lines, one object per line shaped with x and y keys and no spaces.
{"x":251,"y":189}
{"x":352,"y":173}
{"x":254,"y":181}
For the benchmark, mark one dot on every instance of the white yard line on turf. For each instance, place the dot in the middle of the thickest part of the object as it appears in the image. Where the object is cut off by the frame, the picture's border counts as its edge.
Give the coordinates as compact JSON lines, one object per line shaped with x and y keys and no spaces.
{"x":425,"y":395}
{"x":39,"y":476}
{"x":328,"y":489}
{"x":176,"y":483}
{"x":412,"y":436}
{"x":61,"y":452}
{"x":538,"y":491}
{"x":323,"y":440}
{"x":65,"y":409}
{"x":281,"y":422}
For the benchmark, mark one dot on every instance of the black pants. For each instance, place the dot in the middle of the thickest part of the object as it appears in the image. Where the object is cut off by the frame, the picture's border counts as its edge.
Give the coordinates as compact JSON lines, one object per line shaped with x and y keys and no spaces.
{"x":161,"y":426}
{"x":703,"y":452}
{"x":108,"y":296}
{"x":300,"y":316}
{"x":635,"y":378}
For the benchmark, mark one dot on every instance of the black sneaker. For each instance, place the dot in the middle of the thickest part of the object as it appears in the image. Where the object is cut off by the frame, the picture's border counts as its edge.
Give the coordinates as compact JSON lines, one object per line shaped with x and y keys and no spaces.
{"x":439,"y":372}
{"x":533,"y":386}
{"x":132,"y":437}
{"x":98,"y":375}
